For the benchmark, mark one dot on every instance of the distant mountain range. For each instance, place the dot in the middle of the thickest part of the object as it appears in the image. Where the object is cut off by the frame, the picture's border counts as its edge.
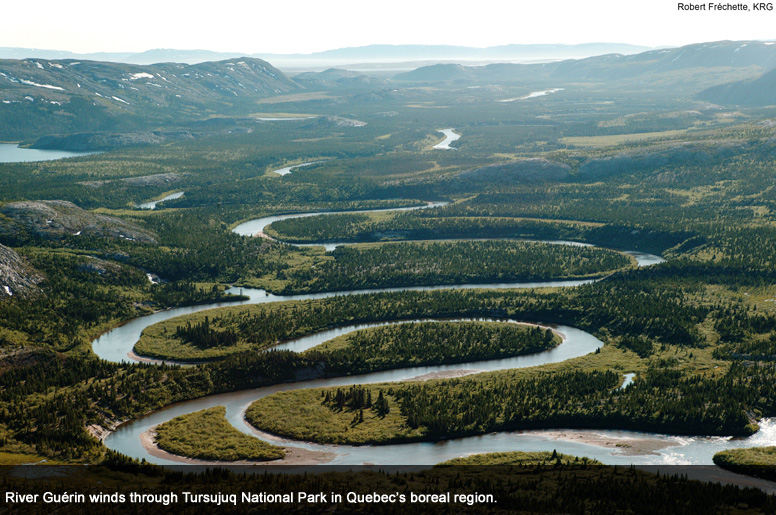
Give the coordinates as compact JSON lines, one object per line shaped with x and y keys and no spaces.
{"x":654,"y":66}
{"x":364,"y":54}
{"x":40,"y":97}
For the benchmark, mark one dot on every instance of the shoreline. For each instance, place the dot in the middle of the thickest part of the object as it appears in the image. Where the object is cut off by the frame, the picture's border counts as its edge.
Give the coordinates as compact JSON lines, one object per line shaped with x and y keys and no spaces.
{"x":626,"y":446}
{"x":449,"y":374}
{"x":158,"y":361}
{"x":294,"y":455}
{"x":155,"y":361}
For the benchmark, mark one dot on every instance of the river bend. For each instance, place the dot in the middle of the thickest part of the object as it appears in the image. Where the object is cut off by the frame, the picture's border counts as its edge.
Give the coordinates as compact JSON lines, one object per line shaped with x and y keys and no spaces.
{"x":650,"y":448}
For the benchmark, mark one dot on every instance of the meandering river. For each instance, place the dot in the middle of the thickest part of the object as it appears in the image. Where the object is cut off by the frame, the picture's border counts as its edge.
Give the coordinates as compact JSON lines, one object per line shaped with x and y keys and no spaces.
{"x":450,"y":136}
{"x":533,"y":94}
{"x":153,"y":203}
{"x":256,"y":227}
{"x":608,"y":446}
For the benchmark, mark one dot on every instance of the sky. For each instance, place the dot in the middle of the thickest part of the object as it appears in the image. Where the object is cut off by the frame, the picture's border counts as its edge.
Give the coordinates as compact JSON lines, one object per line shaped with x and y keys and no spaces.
{"x":304,"y":26}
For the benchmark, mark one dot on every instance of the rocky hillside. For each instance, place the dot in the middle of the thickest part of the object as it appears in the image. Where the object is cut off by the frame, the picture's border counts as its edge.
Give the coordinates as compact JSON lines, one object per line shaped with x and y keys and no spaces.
{"x":111,"y":140}
{"x":66,"y":96}
{"x":54,"y":218}
{"x":16,"y":278}
{"x":754,"y":92}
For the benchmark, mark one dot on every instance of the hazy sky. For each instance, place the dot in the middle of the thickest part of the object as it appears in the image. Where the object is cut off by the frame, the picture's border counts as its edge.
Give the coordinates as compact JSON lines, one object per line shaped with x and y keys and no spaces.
{"x":286,"y":26}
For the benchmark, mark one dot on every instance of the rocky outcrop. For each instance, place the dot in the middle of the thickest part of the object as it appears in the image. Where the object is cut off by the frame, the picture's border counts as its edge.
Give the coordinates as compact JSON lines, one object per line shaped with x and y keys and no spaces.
{"x":335,"y":121}
{"x":16,"y":277}
{"x":54,"y":218}
{"x":158,"y":179}
{"x":107,"y":141}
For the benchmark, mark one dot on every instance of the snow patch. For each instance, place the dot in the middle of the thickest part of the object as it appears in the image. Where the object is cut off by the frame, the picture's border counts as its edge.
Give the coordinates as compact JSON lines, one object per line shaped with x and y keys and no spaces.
{"x":29,"y":98}
{"x":8,"y":291}
{"x":120,"y":100}
{"x":141,"y":75}
{"x":47,"y":86}
{"x":678,"y":56}
{"x":39,"y":65}
{"x":56,"y":65}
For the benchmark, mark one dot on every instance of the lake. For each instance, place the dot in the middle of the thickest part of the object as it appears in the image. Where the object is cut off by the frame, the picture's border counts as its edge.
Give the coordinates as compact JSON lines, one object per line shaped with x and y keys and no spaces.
{"x":11,"y":153}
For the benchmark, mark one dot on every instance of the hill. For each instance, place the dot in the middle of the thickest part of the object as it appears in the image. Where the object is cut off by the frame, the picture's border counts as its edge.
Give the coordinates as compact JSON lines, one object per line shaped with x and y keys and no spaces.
{"x":753,"y":92}
{"x":691,"y":64}
{"x":38,"y":96}
{"x":334,"y":78}
{"x":57,"y":218}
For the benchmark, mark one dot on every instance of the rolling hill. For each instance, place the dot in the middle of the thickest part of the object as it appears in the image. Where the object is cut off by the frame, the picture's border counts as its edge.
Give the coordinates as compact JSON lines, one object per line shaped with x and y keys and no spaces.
{"x":334,"y":78}
{"x":39,"y":96}
{"x":753,"y":92}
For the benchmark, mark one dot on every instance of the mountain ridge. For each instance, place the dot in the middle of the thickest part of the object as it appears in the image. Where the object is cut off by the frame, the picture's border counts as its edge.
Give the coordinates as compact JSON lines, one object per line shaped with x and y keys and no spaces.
{"x":366,"y":52}
{"x":86,"y":96}
{"x":612,"y":67}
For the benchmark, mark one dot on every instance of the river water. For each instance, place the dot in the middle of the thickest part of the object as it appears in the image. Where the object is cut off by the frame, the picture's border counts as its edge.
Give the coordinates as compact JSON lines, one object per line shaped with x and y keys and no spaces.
{"x":633,"y":448}
{"x":153,"y":203}
{"x":533,"y":94}
{"x":450,"y":136}
{"x":254,"y":227}
{"x":288,"y":169}
{"x":663,"y":449}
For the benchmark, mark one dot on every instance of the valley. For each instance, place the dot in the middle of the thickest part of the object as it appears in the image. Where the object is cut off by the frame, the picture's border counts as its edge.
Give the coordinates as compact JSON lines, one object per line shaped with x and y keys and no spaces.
{"x":583,"y":265}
